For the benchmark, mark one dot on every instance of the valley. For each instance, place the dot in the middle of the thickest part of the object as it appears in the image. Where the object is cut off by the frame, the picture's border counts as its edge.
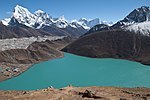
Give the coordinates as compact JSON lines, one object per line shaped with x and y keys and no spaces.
{"x":53,"y":51}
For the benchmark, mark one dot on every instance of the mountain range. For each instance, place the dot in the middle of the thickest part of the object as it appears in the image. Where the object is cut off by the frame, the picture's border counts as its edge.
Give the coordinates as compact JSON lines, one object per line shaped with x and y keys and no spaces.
{"x":127,"y":39}
{"x":136,"y":21}
{"x":41,"y":21}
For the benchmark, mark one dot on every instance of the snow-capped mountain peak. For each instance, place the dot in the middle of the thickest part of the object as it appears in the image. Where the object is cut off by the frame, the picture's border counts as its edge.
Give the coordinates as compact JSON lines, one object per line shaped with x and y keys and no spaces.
{"x":61,"y":22}
{"x":89,"y":23}
{"x":21,"y":10}
{"x":137,"y":21}
{"x":62,"y":18}
{"x":143,"y":8}
{"x":41,"y":13}
{"x":84,"y":20}
{"x":23,"y":16}
{"x":40,"y":18}
{"x":6,"y":21}
{"x":138,"y":15}
{"x":80,"y":23}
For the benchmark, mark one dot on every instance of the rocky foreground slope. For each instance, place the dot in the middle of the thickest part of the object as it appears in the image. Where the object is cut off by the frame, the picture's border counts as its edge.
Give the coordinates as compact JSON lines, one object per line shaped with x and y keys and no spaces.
{"x":78,"y":93}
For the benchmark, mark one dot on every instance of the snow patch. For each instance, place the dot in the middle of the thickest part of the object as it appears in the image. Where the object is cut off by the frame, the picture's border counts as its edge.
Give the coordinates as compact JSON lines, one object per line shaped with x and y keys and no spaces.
{"x":142,"y":28}
{"x":6,"y":21}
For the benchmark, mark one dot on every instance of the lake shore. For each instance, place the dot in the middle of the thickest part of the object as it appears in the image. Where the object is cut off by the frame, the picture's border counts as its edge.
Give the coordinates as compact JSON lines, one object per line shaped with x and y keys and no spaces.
{"x":8,"y":70}
{"x":14,"y":62}
{"x":78,"y":93}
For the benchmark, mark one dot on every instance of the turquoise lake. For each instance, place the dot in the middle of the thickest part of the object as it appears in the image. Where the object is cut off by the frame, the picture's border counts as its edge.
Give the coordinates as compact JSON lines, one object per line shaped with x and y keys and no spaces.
{"x":80,"y":71}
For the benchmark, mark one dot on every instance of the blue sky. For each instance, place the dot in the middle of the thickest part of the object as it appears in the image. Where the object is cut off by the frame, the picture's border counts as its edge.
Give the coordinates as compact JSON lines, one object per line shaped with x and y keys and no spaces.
{"x":108,"y":10}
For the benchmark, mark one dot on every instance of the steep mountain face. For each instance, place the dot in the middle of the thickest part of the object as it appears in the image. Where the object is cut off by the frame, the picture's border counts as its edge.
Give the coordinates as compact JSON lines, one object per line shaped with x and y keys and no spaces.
{"x":137,"y":21}
{"x":113,"y":44}
{"x":42,"y":18}
{"x":23,"y":16}
{"x":8,"y":32}
{"x":136,"y":16}
{"x":42,"y":21}
{"x":127,"y":39}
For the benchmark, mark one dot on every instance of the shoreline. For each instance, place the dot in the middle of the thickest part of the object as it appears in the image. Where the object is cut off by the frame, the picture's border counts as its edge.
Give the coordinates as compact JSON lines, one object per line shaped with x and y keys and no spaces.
{"x":13,"y":62}
{"x":128,"y":59}
{"x":59,"y":57}
{"x":29,"y":66}
{"x":77,"y":93}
